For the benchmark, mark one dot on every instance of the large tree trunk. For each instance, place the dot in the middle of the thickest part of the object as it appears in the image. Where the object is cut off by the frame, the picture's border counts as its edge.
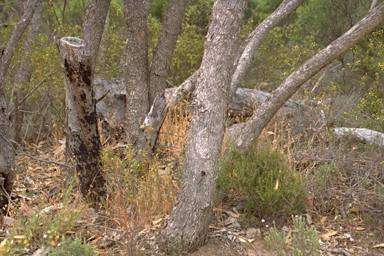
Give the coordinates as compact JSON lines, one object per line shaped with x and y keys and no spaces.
{"x":263,"y":115}
{"x":242,"y":62}
{"x":24,"y":74}
{"x":7,"y":153}
{"x":83,"y":140}
{"x":135,"y":66}
{"x":162,"y":56}
{"x":188,"y":223}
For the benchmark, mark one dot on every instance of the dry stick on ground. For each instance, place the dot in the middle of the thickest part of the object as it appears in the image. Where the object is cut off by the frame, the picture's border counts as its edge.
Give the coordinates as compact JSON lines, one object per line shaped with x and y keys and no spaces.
{"x":46,"y":160}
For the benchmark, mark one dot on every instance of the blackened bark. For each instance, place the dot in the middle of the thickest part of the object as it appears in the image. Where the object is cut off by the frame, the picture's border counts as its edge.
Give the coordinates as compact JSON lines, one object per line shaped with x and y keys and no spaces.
{"x":188,"y":223}
{"x":162,"y":56}
{"x":292,"y":83}
{"x":83,"y":142}
{"x":135,"y":66}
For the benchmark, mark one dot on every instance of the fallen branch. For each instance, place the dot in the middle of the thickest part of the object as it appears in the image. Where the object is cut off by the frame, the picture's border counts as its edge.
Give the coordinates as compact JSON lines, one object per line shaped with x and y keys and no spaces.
{"x":361,"y":134}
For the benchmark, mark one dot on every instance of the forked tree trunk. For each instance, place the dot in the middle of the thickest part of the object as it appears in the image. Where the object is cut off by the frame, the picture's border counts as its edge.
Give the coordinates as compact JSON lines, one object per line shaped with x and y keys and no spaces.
{"x":292,"y":83}
{"x":188,"y":223}
{"x":83,"y":141}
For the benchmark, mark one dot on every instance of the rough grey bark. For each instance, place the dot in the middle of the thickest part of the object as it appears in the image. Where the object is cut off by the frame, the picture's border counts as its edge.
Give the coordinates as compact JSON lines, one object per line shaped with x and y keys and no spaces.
{"x":7,"y":153}
{"x":242,"y":62}
{"x":292,"y":83}
{"x":83,"y":142}
{"x":135,"y":66}
{"x":93,"y":26}
{"x":24,"y":74}
{"x":188,"y":223}
{"x":162,"y":55}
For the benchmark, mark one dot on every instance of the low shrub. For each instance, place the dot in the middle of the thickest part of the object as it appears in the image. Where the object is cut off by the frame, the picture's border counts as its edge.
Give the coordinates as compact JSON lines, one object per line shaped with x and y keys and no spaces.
{"x":302,"y":240}
{"x":264,"y":181}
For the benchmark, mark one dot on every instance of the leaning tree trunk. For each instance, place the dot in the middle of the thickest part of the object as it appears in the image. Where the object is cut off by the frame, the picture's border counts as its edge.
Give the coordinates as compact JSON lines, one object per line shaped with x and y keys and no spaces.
{"x":83,"y":141}
{"x":162,"y":55}
{"x":292,"y":83}
{"x":188,"y":223}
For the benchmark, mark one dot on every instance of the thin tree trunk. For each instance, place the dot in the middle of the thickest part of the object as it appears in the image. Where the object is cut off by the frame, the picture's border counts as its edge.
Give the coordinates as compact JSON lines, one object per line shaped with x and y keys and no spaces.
{"x":93,"y":27}
{"x":7,"y":153}
{"x":135,"y":66}
{"x":24,"y":74}
{"x":188,"y":223}
{"x":249,"y":46}
{"x":263,"y":115}
{"x":162,"y":56}
{"x":83,"y":140}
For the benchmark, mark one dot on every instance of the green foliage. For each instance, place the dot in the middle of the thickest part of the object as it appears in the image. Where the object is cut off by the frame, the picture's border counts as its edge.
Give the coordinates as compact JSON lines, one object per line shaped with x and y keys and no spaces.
{"x":44,"y":227}
{"x":76,"y":248}
{"x":327,"y":20}
{"x":187,"y":55}
{"x":326,"y":174}
{"x":302,"y":241}
{"x":279,"y":55}
{"x":198,"y":14}
{"x":113,"y":42}
{"x":373,"y":106}
{"x":368,"y":59}
{"x":159,"y":9}
{"x":269,"y":187}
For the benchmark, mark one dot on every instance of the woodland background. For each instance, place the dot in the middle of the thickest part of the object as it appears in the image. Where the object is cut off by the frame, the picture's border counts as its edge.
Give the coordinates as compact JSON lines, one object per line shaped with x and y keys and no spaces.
{"x":334,"y":186}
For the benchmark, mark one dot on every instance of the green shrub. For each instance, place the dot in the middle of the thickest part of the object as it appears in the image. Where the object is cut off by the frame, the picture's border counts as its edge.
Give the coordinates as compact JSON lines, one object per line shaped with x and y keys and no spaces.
{"x":75,"y":248}
{"x":269,"y":187}
{"x":303,"y":240}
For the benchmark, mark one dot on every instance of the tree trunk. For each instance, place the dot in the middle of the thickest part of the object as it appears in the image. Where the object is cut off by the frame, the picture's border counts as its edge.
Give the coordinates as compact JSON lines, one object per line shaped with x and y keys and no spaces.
{"x":7,"y":153}
{"x":263,"y":115}
{"x":162,"y":56}
{"x":188,"y":223}
{"x":83,"y":140}
{"x":252,"y":42}
{"x":24,"y":75}
{"x":93,"y":27}
{"x":242,"y":62}
{"x":135,"y":66}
